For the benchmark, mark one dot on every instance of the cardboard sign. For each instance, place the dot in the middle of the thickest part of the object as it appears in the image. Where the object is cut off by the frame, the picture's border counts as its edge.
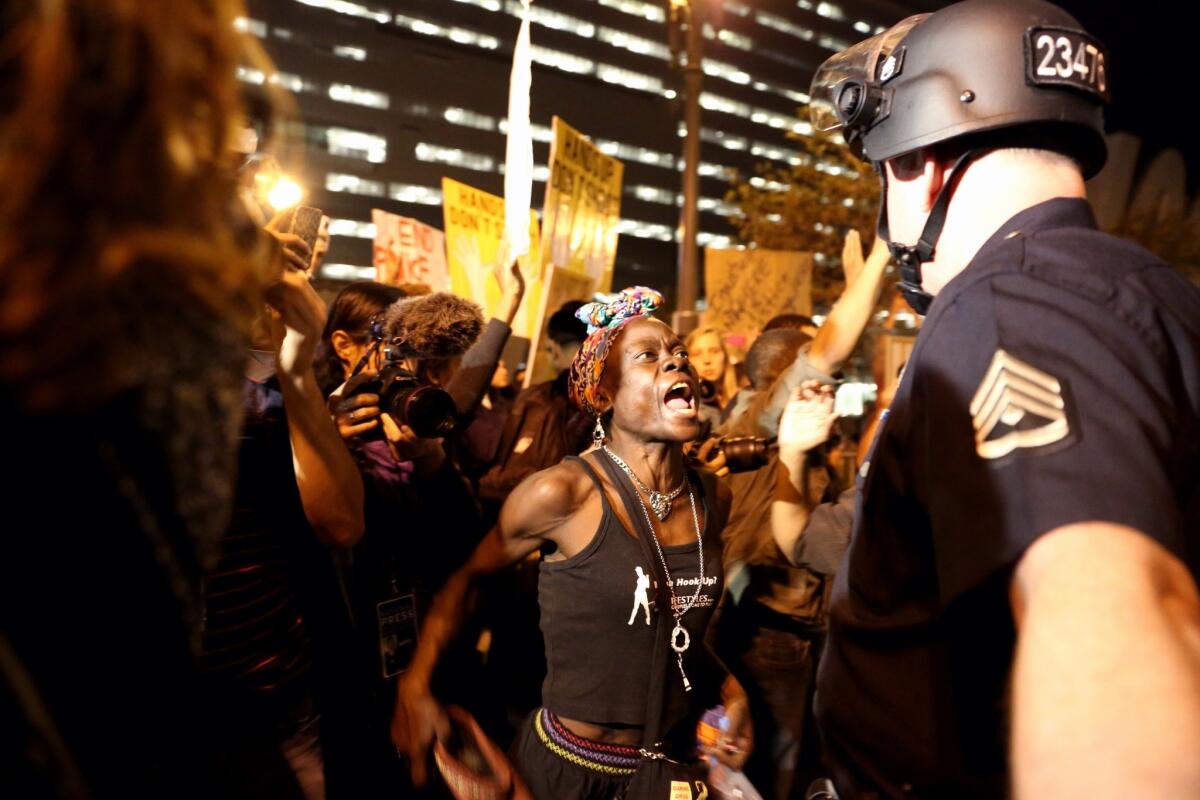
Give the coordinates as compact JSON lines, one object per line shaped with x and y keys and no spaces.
{"x":561,"y":285}
{"x":408,"y":251}
{"x":474,"y":221}
{"x":582,"y":207}
{"x":745,"y":288}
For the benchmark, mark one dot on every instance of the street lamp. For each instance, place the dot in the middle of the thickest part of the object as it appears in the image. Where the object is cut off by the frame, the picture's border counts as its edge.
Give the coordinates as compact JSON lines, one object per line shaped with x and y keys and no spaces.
{"x":684,"y":36}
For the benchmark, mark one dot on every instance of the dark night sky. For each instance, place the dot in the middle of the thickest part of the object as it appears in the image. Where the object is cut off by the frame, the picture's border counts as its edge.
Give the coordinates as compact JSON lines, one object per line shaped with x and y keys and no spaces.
{"x":1152,"y":56}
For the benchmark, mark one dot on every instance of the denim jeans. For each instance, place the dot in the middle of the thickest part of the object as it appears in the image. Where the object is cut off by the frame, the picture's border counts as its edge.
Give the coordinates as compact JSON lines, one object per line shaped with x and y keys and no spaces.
{"x":775,"y":661}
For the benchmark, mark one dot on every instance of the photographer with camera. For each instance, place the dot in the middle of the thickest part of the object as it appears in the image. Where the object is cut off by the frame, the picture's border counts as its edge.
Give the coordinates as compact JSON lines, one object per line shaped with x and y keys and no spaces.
{"x":398,"y":421}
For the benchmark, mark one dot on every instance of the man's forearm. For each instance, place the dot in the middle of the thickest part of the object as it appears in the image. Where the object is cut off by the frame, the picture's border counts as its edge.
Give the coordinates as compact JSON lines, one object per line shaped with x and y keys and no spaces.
{"x":839,"y":334}
{"x":331,"y":489}
{"x":1106,"y":684}
{"x":790,"y":509}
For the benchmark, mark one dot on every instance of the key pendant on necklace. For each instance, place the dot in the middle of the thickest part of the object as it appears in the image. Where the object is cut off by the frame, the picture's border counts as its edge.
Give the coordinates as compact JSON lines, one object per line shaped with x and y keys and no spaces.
{"x":680,"y":647}
{"x":687,"y":685}
{"x":660,"y":505}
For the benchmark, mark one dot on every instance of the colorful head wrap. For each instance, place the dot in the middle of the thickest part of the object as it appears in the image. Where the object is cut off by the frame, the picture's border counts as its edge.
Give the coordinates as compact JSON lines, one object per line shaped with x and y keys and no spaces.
{"x":605,"y":321}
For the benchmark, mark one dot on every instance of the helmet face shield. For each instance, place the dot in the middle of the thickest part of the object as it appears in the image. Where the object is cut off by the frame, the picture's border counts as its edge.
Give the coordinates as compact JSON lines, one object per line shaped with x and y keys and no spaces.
{"x":846,"y":88}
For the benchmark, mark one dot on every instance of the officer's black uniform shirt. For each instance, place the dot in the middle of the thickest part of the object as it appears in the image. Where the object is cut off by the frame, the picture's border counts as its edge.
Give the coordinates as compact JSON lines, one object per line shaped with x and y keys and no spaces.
{"x":1055,"y":380}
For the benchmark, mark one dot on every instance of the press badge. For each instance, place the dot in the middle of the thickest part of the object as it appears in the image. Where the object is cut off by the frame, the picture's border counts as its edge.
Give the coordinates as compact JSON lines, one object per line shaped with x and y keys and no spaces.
{"x":397,"y":633}
{"x":1064,"y":57}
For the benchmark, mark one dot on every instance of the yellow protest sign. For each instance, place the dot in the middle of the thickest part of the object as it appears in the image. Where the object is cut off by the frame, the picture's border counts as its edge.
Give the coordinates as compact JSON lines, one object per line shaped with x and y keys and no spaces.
{"x":561,"y":285}
{"x":582,"y":207}
{"x":474,"y":223}
{"x":745,"y":288}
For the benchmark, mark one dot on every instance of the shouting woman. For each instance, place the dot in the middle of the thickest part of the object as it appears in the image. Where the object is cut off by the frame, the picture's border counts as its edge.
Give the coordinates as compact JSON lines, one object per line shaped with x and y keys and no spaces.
{"x":615,"y":520}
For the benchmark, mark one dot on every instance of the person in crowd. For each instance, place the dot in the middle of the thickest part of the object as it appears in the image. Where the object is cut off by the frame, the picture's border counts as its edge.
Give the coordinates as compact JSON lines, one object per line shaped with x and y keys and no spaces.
{"x":633,"y":377}
{"x":274,"y":620}
{"x":1017,"y":614}
{"x":544,"y":426}
{"x":775,"y":607}
{"x":711,"y":360}
{"x":412,"y":490}
{"x":128,"y":278}
{"x":798,"y":322}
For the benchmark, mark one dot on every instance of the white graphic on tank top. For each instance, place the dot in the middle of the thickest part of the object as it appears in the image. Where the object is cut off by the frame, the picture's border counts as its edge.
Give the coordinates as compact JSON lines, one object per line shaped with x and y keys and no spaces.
{"x":641,"y":596}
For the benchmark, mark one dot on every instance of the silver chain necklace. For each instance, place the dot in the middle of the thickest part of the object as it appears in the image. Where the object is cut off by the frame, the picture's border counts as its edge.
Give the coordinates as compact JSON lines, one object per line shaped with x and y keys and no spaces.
{"x":660,"y":502}
{"x":681,"y":640}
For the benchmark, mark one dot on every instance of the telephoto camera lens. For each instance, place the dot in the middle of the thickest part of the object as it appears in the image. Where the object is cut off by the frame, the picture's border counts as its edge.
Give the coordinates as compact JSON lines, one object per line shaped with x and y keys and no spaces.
{"x":746,"y":453}
{"x":428,"y":410}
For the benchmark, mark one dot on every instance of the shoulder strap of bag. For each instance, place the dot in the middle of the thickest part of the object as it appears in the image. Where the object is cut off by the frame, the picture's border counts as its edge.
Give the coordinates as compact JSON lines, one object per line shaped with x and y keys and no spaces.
{"x":660,"y":659}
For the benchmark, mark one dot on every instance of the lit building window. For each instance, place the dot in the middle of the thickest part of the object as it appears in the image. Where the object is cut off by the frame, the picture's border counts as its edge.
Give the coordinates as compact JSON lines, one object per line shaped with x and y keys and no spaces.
{"x":356,"y":144}
{"x":341,"y":182}
{"x":254,"y":76}
{"x":862,"y":27}
{"x":634,"y":44}
{"x":469,"y":119}
{"x":830,"y":11}
{"x":253,"y":27}
{"x":347,"y":272}
{"x":352,"y":227}
{"x":345,"y":93}
{"x":541,"y":173}
{"x":632,"y":80}
{"x":488,"y":5}
{"x":736,"y":40}
{"x":459,"y":35}
{"x":637,"y":8}
{"x":718,"y":207}
{"x":832,"y":43}
{"x":736,"y":8}
{"x":714,"y":170}
{"x":283,"y":33}
{"x":554,"y":19}
{"x":410,"y":193}
{"x":783,"y":26}
{"x":346,"y":51}
{"x":729,"y":72}
{"x":350,"y":9}
{"x":563,"y":61}
{"x":645,"y":230}
{"x":293,"y":83}
{"x":712,"y":240}
{"x":455,"y":157}
{"x":653,"y":194}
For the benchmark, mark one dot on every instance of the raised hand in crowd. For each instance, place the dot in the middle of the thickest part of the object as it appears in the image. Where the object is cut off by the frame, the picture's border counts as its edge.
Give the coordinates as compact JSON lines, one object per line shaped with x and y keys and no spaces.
{"x":331,"y":490}
{"x":512,"y":284}
{"x":805,"y":424}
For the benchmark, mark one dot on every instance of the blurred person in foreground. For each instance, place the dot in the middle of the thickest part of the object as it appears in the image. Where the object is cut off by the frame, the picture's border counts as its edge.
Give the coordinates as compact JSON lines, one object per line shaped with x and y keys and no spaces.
{"x":1017,"y":614}
{"x":633,"y":377}
{"x":128,"y":277}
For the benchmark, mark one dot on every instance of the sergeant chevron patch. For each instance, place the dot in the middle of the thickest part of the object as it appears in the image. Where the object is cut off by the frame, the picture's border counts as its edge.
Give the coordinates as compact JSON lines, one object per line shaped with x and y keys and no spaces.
{"x":1016,"y":405}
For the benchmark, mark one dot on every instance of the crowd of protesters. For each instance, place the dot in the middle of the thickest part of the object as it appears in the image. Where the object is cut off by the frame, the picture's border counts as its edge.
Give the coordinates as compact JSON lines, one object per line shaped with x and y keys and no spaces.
{"x":250,"y":500}
{"x":279,"y":547}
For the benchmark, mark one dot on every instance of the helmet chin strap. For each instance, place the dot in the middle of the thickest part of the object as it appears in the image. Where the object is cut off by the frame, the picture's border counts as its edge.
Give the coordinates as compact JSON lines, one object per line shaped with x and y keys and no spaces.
{"x":910,"y":257}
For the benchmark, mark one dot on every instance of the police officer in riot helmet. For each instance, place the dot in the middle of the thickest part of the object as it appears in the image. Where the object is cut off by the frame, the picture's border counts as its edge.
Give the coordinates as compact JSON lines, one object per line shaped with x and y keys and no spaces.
{"x":1018,"y":612}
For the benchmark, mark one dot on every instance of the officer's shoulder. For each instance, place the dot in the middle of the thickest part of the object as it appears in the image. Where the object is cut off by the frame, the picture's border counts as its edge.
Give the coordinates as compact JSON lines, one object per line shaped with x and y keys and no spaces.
{"x":1078,"y":271}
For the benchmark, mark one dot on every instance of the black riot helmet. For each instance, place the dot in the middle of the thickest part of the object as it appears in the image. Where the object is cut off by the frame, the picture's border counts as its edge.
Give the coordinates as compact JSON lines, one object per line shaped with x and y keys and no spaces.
{"x":981,"y":74}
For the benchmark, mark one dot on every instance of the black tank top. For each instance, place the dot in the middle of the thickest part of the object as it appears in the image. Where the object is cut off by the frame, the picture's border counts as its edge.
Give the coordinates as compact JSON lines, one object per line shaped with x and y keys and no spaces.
{"x":598,"y":615}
